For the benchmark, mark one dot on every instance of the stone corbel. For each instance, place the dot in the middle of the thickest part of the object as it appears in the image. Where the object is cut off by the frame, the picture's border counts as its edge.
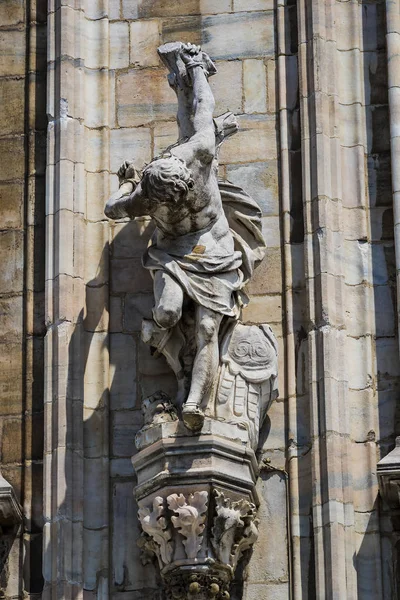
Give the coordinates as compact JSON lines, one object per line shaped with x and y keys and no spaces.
{"x":10,"y":510}
{"x":388,"y":471}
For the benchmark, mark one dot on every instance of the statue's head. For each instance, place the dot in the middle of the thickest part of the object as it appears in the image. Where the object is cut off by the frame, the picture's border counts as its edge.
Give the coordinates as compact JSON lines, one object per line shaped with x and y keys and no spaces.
{"x":167,"y":179}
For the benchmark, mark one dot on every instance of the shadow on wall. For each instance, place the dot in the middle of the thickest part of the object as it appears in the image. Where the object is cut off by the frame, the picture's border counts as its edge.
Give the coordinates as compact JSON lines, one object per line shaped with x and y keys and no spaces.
{"x":100,"y":442}
{"x":384,"y":289}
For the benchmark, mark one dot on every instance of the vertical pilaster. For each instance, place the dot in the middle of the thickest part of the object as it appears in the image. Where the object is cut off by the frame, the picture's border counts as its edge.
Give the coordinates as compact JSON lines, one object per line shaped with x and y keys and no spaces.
{"x":76,"y":363}
{"x":332,"y":503}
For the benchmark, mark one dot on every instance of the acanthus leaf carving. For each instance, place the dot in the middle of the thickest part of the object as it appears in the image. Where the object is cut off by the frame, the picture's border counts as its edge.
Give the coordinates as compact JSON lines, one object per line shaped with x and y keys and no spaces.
{"x":234,"y":530}
{"x":155,"y":526}
{"x":190,"y":520}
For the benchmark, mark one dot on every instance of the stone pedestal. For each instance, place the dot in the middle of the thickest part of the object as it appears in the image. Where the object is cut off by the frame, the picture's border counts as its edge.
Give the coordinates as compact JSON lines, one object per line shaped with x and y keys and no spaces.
{"x":197,"y":504}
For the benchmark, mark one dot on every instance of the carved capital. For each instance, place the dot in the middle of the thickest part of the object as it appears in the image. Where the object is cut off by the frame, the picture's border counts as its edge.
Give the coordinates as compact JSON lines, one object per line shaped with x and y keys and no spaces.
{"x":198,"y":538}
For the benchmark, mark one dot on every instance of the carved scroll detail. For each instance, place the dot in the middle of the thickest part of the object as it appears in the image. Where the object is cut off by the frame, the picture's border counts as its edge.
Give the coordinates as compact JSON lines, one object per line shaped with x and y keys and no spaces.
{"x":190,"y":519}
{"x":155,"y":526}
{"x":234,"y":530}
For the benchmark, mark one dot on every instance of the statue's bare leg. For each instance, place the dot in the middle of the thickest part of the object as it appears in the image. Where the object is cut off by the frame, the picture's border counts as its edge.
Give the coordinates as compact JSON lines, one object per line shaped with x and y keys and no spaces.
{"x":205,"y":365}
{"x":168,"y":296}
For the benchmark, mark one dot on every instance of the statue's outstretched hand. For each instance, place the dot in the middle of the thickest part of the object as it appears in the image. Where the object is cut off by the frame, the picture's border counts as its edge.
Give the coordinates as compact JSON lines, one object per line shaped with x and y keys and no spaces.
{"x":191,"y":54}
{"x":127,"y":172}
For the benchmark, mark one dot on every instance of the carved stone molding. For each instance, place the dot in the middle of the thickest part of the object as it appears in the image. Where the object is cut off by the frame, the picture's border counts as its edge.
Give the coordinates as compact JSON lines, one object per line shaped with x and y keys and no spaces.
{"x":198,"y":538}
{"x":10,"y":510}
{"x":190,"y":519}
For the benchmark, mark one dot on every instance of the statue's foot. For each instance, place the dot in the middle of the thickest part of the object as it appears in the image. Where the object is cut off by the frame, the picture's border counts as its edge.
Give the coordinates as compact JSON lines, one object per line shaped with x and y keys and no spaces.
{"x":193,"y":417}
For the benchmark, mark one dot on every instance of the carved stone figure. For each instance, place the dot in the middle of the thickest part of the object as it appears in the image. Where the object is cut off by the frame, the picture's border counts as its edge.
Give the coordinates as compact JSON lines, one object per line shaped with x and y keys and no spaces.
{"x":208,"y":233}
{"x":196,"y":479}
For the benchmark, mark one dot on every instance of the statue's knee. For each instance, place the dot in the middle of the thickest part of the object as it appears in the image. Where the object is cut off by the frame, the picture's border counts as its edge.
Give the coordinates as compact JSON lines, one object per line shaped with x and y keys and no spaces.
{"x":208,"y":328}
{"x":166,"y":317}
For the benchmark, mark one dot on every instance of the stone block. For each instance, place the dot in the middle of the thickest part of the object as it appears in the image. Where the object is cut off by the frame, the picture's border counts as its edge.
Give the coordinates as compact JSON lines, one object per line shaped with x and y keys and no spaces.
{"x":125,"y":552}
{"x":12,"y":147}
{"x":387,"y":358}
{"x":151,"y":365}
{"x":96,"y":242}
{"x":145,"y":9}
{"x":114,"y":9}
{"x":125,"y":425}
{"x":97,"y":315}
{"x":269,"y":559}
{"x":144,"y":41}
{"x":130,"y":144}
{"x":362,"y":406}
{"x":12,"y":253}
{"x":228,"y":77}
{"x":384,"y":316}
{"x":260,"y":180}
{"x":95,"y":503}
{"x":271,"y":231}
{"x":129,"y":276}
{"x":244,"y":5}
{"x":136,"y":307}
{"x":185,"y":28}
{"x":256,"y":140}
{"x":11,"y":205}
{"x":376,"y":77}
{"x":271,"y":86}
{"x":359,"y":307}
{"x":11,"y":441}
{"x":243,"y":35}
{"x":131,"y":239}
{"x":212,"y":7}
{"x":119,"y":45}
{"x":96,"y":38}
{"x":96,"y":426}
{"x":149,"y":384}
{"x":356,"y":262}
{"x":95,"y":542}
{"x":378,"y":125}
{"x":97,"y":193}
{"x":350,"y":84}
{"x":96,"y":377}
{"x":12,"y":100}
{"x":123,"y":359}
{"x":12,"y":52}
{"x":267,"y":278}
{"x":96,"y":98}
{"x":143,"y":97}
{"x":95,"y":9}
{"x":379,"y":180}
{"x":269,"y":591}
{"x":359,"y":368}
{"x":11,"y":319}
{"x":11,"y":378}
{"x":11,"y":12}
{"x":165,"y":134}
{"x":387,"y":407}
{"x":96,"y":157}
{"x":121,"y":467}
{"x":115,"y":318}
{"x":255,"y":86}
{"x":263,"y":309}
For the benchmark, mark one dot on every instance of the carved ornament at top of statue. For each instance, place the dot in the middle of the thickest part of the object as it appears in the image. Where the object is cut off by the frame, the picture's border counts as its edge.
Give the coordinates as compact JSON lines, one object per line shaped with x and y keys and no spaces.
{"x":196,"y":465}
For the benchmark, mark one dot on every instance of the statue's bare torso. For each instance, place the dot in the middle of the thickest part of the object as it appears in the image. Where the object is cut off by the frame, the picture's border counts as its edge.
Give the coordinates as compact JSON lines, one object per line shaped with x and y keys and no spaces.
{"x":191,"y":225}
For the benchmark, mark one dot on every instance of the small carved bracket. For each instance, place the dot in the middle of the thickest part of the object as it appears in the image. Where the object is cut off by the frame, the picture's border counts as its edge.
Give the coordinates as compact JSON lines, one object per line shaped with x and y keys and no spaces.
{"x":234,"y":530}
{"x":190,"y":519}
{"x":158,"y":539}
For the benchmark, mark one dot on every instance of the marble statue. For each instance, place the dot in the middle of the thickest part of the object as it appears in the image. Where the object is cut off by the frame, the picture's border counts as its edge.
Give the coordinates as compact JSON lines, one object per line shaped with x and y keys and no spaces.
{"x":207,"y":240}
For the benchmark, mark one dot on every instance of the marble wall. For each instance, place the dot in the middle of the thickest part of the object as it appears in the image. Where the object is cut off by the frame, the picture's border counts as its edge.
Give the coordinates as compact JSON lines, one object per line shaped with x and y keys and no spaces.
{"x":308,"y":82}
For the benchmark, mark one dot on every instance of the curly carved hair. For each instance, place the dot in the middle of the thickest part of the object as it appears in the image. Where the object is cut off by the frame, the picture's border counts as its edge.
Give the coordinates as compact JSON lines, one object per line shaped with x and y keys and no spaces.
{"x":167,"y":179}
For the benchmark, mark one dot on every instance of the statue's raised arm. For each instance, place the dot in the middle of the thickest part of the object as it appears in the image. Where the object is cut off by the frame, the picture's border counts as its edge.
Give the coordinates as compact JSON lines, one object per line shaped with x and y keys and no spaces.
{"x":207,"y":239}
